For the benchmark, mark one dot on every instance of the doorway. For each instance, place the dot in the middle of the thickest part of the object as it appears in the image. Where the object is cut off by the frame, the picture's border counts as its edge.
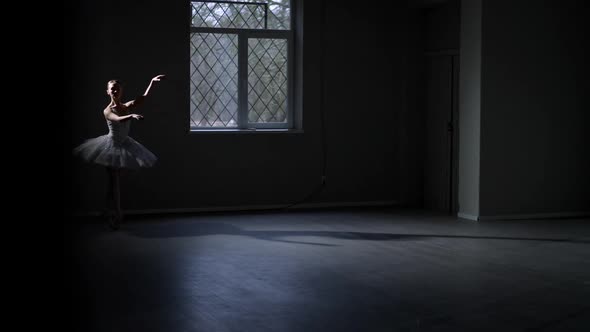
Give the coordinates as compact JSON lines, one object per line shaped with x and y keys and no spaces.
{"x":441,"y":124}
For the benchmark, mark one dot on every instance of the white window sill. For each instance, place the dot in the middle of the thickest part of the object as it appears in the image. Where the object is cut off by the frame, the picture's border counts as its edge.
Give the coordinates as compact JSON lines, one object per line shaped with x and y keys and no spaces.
{"x":245,"y":131}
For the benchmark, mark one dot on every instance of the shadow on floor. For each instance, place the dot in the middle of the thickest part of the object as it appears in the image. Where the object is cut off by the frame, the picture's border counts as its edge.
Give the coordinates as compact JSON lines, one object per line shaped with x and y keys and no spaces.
{"x":190,"y":229}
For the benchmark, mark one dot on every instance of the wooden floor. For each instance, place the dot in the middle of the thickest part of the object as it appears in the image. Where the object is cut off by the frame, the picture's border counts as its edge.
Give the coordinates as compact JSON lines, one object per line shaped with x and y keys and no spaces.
{"x":347,"y":270}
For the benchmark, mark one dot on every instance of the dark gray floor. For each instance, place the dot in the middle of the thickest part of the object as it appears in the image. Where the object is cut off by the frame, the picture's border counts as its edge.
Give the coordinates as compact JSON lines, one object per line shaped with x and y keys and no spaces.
{"x":352,"y":270}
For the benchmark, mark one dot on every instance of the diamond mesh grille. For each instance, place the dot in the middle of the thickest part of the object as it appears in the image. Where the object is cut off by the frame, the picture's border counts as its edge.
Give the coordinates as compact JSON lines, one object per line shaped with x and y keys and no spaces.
{"x":214,"y":80}
{"x":267,"y":80}
{"x":249,"y":14}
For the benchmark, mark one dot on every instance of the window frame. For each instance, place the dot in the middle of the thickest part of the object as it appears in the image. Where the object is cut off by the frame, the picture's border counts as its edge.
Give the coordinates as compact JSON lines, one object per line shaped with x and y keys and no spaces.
{"x":244,"y":35}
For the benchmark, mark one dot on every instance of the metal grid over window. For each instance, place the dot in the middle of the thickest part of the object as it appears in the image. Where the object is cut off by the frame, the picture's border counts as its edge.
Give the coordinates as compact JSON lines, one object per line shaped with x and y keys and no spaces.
{"x":267,"y":80}
{"x":239,"y":15}
{"x":241,"y":68}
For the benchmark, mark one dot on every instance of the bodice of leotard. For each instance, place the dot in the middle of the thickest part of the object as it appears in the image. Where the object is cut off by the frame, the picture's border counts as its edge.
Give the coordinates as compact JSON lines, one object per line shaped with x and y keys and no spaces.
{"x":118,"y":130}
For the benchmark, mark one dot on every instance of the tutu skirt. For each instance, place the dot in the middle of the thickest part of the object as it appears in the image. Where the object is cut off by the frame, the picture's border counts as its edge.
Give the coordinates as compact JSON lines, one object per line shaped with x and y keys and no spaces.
{"x":126,"y":153}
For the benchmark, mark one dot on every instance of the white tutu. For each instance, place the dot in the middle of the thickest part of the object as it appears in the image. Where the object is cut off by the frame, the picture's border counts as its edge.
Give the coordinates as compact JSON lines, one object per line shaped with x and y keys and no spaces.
{"x":116,"y":149}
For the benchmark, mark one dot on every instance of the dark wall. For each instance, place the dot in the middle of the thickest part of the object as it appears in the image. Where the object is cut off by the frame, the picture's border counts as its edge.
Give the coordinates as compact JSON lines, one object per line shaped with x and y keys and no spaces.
{"x":441,"y":25}
{"x":410,"y":144}
{"x":363,"y":79}
{"x":364,"y":85}
{"x":534,"y":153}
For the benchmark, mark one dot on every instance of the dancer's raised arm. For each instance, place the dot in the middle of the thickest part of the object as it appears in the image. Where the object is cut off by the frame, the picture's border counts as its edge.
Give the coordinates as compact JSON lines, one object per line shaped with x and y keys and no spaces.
{"x":139,"y":100}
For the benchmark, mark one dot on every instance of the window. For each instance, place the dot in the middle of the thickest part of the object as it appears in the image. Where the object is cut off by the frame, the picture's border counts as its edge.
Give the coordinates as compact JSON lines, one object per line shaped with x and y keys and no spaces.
{"x":241,"y":65}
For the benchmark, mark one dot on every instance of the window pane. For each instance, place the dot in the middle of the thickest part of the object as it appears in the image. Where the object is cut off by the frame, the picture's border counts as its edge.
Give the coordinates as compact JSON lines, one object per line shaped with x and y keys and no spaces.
{"x":214,"y":80}
{"x":279,"y":14}
{"x":267,"y":80}
{"x":248,"y":14}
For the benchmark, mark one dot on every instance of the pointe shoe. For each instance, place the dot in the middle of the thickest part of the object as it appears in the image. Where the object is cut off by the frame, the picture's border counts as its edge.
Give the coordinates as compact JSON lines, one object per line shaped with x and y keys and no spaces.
{"x":114,"y":222}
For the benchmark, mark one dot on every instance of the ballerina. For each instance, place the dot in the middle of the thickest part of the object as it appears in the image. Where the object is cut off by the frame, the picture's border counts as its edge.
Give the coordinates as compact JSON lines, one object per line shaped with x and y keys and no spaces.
{"x":117,"y":150}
